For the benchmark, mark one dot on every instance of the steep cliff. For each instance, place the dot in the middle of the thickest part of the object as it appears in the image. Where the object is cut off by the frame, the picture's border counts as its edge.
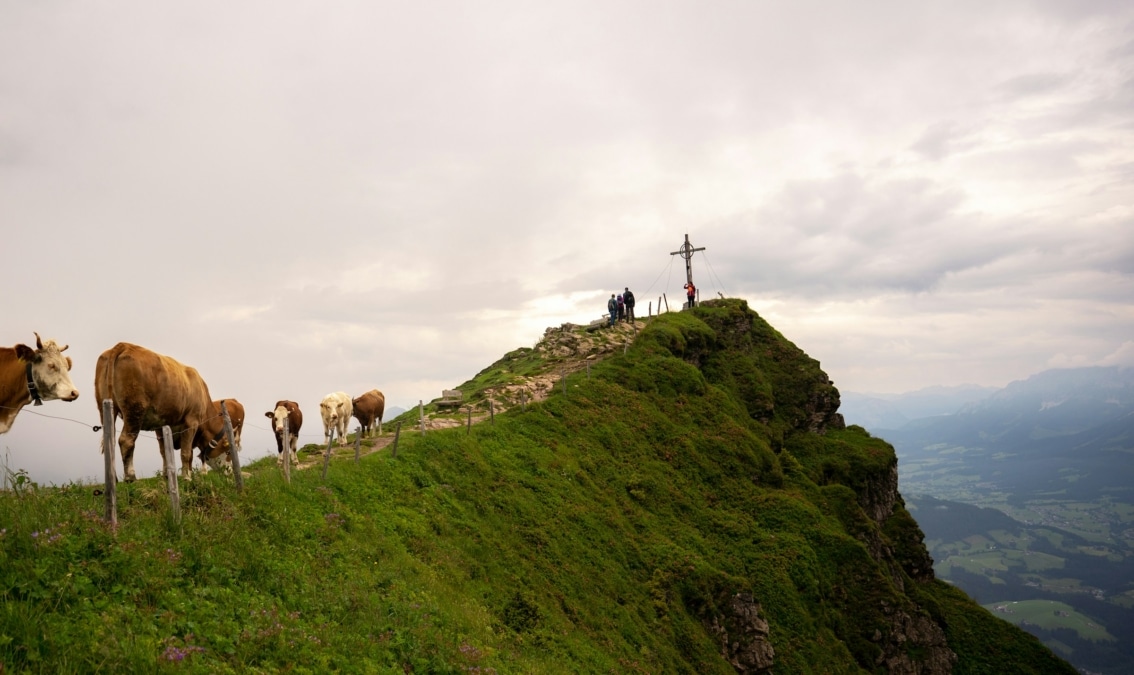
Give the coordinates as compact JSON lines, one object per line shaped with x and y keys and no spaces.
{"x":856,"y":563}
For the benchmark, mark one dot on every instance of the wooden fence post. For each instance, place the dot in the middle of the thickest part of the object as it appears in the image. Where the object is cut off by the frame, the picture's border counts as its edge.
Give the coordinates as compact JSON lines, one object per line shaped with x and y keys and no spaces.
{"x":651,"y":314}
{"x":491,"y":411}
{"x":666,"y":303}
{"x":397,"y":432}
{"x":171,"y":474}
{"x":287,"y":451}
{"x":468,"y":425}
{"x":327,"y":453}
{"x":421,"y":415}
{"x":233,"y":454}
{"x":358,"y":446}
{"x":108,"y":460}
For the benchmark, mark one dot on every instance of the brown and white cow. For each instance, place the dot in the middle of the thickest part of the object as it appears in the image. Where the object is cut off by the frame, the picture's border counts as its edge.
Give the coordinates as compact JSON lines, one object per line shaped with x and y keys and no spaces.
{"x":368,"y":408}
{"x":213,"y":450}
{"x":150,"y":391}
{"x":286,"y":410}
{"x":33,"y":376}
{"x":336,"y":409}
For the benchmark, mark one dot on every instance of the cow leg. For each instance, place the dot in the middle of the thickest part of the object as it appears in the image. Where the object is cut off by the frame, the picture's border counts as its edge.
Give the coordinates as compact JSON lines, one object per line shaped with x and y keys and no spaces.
{"x":293,"y":442}
{"x":379,"y":426}
{"x":126,"y":441}
{"x":187,"y":452}
{"x":343,"y":426}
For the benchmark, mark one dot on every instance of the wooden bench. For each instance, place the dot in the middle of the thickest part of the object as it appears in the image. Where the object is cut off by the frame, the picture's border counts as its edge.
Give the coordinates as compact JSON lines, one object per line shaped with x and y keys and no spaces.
{"x":453,"y":397}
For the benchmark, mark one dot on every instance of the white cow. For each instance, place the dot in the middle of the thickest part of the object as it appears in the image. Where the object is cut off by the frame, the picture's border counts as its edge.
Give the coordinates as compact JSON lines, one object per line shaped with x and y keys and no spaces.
{"x":33,"y":375}
{"x":336,"y":409}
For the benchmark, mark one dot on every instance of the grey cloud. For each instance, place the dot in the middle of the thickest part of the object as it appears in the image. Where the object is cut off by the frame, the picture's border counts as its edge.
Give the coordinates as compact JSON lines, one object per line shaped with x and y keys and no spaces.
{"x":1035,"y":83}
{"x":297,"y":200}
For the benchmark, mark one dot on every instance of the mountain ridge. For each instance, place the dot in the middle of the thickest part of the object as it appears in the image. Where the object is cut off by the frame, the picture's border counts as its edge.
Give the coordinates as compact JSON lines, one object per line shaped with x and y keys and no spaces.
{"x":692,"y":503}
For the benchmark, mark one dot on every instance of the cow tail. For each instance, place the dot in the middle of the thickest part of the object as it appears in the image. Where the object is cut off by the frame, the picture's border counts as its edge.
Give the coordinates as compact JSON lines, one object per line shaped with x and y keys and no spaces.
{"x":108,"y":369}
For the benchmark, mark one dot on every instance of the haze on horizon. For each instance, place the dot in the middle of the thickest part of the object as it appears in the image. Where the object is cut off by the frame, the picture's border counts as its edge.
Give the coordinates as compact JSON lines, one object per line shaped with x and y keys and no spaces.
{"x":298,"y":198}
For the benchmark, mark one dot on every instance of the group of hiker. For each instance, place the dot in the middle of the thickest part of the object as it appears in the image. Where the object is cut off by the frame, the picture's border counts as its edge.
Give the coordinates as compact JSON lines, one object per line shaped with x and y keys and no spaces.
{"x":621,"y":307}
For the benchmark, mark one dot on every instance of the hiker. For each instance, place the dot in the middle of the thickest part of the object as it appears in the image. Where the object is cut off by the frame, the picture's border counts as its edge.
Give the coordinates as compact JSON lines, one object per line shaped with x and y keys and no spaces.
{"x":612,"y":307}
{"x":621,"y":309}
{"x":691,"y":293}
{"x":628,"y":300}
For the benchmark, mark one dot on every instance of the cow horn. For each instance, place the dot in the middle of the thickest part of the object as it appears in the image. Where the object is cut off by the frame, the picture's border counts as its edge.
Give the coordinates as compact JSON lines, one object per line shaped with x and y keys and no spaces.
{"x":38,"y":342}
{"x":64,"y":348}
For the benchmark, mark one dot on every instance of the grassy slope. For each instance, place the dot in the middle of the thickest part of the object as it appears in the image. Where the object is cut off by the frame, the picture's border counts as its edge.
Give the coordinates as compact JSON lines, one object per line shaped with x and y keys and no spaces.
{"x":595,"y":532}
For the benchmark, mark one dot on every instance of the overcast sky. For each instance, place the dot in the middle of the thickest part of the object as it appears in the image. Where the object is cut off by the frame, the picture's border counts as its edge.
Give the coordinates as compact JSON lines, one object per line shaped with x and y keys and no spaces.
{"x":303,"y":197}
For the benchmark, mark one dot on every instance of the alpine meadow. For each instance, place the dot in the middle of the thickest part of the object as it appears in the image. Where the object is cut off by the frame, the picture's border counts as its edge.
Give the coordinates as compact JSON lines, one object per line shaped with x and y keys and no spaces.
{"x":686,"y":501}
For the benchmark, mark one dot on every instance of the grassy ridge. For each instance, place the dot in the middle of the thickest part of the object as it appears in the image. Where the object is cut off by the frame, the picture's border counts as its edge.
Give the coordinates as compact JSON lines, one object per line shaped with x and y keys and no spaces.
{"x":603,"y":530}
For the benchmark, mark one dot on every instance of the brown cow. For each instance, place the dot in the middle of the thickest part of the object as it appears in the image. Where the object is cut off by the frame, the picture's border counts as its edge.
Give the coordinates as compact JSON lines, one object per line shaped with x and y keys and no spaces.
{"x":33,"y":375}
{"x":286,"y":410}
{"x":213,"y":450}
{"x":368,"y":408}
{"x":150,"y":391}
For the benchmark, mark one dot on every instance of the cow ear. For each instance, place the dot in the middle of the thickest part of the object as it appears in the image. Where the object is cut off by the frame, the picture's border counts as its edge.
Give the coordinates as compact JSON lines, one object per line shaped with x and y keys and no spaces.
{"x":26,"y":353}
{"x":268,"y":414}
{"x":68,"y":363}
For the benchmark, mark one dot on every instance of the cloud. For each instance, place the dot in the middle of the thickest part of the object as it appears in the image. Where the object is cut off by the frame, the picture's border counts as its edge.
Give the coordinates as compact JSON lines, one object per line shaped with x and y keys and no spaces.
{"x":298,"y":201}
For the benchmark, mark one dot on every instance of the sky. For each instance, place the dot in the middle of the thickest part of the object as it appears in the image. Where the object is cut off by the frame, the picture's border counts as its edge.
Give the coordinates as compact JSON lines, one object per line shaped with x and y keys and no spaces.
{"x":298,"y":198}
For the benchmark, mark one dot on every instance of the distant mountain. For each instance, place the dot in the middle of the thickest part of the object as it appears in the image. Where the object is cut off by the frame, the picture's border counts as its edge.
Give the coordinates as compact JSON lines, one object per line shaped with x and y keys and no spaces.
{"x":1027,"y":496}
{"x":892,"y":411}
{"x":1067,"y":432}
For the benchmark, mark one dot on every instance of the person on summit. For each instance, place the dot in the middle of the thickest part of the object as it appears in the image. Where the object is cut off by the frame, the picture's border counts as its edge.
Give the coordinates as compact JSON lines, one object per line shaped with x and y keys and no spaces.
{"x":612,"y":307}
{"x":691,"y":293}
{"x":628,"y":300}
{"x":621,"y":310}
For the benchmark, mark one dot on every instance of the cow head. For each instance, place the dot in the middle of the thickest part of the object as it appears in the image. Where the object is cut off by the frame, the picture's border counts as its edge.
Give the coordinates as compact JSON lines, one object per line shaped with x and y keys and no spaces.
{"x":50,"y":370}
{"x":277,"y":416}
{"x":331,"y":410}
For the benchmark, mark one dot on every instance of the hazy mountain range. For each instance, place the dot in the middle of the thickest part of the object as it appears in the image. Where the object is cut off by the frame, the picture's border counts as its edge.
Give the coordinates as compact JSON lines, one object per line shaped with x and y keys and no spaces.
{"x":892,"y":411}
{"x":1026,"y":498}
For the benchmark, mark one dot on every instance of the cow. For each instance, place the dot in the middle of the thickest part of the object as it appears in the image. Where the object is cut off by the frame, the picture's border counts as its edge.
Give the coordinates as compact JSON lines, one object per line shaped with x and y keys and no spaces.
{"x":150,"y":391}
{"x":336,"y":410}
{"x":33,"y":376}
{"x":368,"y":408}
{"x":286,"y":410}
{"x":213,"y":450}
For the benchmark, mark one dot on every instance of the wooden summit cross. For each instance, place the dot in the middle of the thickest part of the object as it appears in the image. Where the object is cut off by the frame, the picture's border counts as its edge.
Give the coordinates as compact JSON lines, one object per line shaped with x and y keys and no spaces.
{"x":686,"y":251}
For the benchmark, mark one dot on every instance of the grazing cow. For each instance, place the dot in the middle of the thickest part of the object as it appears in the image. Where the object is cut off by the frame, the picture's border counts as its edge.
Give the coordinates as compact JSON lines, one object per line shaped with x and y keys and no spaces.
{"x":33,"y":376}
{"x":286,"y":410}
{"x":214,"y":449}
{"x":150,"y":391}
{"x":336,"y":409}
{"x":368,"y":408}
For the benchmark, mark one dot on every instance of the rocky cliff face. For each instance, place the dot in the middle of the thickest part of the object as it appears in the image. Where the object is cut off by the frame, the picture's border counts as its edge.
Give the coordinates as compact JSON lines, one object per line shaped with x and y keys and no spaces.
{"x":796,"y":400}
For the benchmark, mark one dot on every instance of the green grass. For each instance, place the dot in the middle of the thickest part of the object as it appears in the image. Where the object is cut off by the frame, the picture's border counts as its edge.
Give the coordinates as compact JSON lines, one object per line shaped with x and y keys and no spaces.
{"x":602,"y":530}
{"x":1050,"y":615}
